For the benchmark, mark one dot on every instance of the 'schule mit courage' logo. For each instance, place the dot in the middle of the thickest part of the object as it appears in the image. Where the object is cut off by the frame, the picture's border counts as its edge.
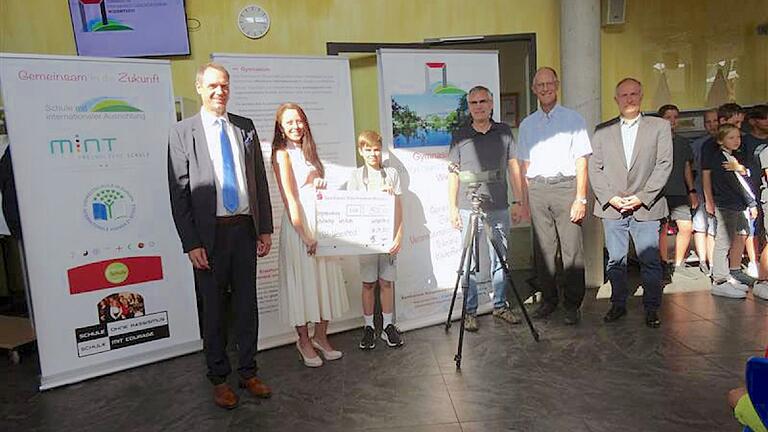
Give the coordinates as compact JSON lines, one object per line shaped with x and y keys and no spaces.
{"x":109,"y":207}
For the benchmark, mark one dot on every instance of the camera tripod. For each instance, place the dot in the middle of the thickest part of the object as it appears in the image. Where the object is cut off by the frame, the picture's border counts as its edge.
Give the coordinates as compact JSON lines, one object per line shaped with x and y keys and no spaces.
{"x":470,"y":256}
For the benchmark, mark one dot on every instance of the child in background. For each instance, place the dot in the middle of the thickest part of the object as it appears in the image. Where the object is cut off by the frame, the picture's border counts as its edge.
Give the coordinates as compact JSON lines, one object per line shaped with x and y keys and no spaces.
{"x":374,"y":177}
{"x":727,"y":196}
{"x":757,"y":141}
{"x":743,"y":409}
{"x":681,"y":196}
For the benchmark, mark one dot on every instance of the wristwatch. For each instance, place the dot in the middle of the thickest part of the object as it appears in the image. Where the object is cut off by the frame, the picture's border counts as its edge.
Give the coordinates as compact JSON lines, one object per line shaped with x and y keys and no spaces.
{"x":690,"y":191}
{"x":581,"y":200}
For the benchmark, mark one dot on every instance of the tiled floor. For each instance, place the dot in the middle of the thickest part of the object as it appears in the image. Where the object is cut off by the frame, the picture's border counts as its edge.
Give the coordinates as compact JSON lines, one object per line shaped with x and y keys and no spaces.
{"x":593,"y":377}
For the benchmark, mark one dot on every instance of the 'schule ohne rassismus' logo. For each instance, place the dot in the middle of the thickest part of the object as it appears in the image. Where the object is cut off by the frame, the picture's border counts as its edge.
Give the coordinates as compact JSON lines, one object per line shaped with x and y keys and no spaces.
{"x":106,"y":104}
{"x":109,"y":207}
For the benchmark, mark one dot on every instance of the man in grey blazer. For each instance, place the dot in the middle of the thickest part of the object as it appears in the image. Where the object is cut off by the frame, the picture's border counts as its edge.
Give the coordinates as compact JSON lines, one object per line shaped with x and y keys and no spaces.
{"x":631,"y":160}
{"x":222,"y":211}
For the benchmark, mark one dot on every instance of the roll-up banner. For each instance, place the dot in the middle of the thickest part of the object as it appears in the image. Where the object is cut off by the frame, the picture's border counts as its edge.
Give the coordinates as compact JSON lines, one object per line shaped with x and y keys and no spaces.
{"x":423,"y":99}
{"x":110,"y":286}
{"x":322,"y":86}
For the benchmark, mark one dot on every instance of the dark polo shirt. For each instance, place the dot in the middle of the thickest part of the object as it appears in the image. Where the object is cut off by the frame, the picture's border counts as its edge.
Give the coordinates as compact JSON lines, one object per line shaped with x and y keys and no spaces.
{"x":681,"y":153}
{"x":477,"y":152}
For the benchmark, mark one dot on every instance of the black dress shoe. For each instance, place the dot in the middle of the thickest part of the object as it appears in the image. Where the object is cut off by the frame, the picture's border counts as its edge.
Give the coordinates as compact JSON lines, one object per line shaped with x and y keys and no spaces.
{"x":615,"y":313}
{"x":572,"y":316}
{"x":544,"y":310}
{"x":652,"y":319}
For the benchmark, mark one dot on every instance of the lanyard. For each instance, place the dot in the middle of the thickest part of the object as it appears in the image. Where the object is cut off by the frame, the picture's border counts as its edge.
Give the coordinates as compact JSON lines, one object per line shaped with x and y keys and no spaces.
{"x":365,"y":176}
{"x":744,"y":185}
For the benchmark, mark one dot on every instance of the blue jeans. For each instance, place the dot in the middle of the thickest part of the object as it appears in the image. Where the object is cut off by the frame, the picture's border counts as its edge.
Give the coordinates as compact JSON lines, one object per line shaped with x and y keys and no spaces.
{"x":645,"y":235}
{"x":499,"y":222}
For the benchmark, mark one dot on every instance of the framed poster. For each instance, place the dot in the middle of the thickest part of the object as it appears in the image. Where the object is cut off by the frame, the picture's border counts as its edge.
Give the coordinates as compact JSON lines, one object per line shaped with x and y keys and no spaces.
{"x":509,"y":112}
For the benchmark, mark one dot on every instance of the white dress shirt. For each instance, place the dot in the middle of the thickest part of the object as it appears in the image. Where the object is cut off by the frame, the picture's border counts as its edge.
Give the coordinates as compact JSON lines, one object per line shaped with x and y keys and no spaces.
{"x":212,"y":136}
{"x":628,"y":136}
{"x":551,"y":142}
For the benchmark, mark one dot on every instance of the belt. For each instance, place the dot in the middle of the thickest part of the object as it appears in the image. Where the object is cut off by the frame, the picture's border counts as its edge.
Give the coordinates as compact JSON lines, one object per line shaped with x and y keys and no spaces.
{"x":552,"y":180}
{"x":233,"y":220}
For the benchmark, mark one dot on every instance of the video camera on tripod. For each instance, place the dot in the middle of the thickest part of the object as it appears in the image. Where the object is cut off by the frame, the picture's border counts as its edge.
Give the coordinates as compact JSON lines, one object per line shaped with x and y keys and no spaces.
{"x":474,"y":182}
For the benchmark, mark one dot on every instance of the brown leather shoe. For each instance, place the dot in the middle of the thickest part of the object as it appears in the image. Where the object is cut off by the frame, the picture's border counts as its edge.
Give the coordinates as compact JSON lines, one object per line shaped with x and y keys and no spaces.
{"x":257,"y":388}
{"x":224,"y":396}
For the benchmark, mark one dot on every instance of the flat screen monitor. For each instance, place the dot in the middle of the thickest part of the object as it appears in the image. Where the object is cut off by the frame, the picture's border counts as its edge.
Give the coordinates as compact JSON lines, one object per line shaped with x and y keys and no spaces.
{"x":129,"y":28}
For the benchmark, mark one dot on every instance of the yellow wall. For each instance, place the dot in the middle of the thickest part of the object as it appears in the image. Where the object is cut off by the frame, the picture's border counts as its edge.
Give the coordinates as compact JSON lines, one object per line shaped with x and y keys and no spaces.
{"x":696,"y":33}
{"x":303,"y":27}
{"x":693,"y":32}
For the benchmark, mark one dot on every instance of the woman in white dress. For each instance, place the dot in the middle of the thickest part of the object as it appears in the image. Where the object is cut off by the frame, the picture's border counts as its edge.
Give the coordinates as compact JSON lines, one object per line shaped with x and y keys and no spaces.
{"x":312,"y":288}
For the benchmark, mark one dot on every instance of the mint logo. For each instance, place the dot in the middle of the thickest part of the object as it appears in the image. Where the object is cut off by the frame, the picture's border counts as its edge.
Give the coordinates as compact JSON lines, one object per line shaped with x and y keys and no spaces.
{"x":78,"y":145}
{"x":109,"y":207}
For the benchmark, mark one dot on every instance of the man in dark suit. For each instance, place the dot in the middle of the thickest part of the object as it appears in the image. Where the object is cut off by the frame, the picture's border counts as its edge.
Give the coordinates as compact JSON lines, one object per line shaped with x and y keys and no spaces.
{"x":630,"y":164}
{"x":221,"y":208}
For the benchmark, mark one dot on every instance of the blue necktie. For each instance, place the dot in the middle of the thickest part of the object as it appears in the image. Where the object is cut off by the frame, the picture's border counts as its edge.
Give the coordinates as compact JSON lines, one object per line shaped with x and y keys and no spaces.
{"x":229,"y":186}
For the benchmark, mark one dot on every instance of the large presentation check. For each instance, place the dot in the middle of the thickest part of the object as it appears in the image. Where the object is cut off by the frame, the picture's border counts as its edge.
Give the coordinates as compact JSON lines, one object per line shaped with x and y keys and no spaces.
{"x":354,"y":222}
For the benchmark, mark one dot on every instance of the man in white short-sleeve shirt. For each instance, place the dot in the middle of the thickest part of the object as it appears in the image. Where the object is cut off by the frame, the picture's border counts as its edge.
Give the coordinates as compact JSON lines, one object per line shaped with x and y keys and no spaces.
{"x":552,"y":151}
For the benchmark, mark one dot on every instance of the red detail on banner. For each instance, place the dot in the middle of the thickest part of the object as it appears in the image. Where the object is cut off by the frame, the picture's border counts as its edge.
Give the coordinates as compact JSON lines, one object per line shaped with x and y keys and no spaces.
{"x":92,"y":277}
{"x":91,"y":1}
{"x":435,"y":65}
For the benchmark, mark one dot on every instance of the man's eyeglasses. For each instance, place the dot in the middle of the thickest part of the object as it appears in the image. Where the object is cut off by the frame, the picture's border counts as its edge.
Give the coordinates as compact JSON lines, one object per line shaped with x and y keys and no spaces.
{"x":543,"y":85}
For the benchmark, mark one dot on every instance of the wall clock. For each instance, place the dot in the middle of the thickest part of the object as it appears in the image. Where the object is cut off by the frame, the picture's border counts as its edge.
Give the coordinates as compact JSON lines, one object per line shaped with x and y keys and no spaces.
{"x":253,"y":21}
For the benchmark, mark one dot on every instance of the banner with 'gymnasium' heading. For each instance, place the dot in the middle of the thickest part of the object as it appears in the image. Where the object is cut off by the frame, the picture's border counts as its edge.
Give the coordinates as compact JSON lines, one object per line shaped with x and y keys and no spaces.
{"x":322,"y":86}
{"x":110,"y":287}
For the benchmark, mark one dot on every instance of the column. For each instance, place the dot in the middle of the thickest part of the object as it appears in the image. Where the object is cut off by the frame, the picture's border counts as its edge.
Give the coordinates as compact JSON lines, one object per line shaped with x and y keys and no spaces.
{"x":580,"y":87}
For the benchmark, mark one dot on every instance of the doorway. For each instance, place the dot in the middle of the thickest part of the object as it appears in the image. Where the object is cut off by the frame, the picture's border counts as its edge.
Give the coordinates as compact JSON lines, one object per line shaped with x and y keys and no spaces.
{"x":517,"y":65}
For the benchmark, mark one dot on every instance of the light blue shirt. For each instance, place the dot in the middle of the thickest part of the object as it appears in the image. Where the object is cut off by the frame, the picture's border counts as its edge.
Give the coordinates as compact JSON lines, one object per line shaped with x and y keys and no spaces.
{"x":551,"y":142}
{"x":628,"y":136}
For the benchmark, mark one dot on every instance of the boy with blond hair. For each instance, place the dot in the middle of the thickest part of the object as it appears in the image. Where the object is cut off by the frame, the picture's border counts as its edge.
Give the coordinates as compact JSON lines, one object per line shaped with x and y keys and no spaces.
{"x":373,"y":176}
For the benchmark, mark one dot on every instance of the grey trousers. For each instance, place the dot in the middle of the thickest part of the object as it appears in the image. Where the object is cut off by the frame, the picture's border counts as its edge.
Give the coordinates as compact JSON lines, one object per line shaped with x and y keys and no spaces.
{"x":729,"y":222}
{"x":553,"y":231}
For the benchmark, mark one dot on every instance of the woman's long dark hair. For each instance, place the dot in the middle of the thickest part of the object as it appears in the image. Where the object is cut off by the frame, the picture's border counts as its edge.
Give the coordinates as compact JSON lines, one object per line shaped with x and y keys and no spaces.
{"x":308,"y":146}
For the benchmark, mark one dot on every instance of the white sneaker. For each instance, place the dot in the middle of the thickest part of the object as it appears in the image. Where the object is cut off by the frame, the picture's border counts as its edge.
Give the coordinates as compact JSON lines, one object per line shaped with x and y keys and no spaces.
{"x":760,"y":290}
{"x":752,"y":269}
{"x":726,"y":289}
{"x":736,"y":284}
